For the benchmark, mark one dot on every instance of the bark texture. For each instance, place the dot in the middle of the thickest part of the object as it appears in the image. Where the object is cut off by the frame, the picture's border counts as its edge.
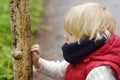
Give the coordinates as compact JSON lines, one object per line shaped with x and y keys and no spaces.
{"x":21,"y":39}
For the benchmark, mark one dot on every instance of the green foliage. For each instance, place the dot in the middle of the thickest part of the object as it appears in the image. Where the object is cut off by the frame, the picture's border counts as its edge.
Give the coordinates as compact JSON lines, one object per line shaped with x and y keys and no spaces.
{"x":6,"y":72}
{"x":37,"y":11}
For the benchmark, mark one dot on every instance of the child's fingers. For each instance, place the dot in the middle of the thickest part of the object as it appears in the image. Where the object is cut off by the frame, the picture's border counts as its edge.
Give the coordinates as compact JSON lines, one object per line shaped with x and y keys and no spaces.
{"x":34,"y":54}
{"x":34,"y":57}
{"x":37,"y":50}
{"x":36,"y":46}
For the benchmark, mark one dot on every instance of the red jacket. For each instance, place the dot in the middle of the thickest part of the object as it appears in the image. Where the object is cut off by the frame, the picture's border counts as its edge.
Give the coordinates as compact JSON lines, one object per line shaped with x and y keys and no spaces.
{"x":108,"y":54}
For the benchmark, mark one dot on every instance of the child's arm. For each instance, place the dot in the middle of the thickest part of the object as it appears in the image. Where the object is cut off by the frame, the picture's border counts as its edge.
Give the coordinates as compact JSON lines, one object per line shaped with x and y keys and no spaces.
{"x":51,"y":68}
{"x":55,"y":69}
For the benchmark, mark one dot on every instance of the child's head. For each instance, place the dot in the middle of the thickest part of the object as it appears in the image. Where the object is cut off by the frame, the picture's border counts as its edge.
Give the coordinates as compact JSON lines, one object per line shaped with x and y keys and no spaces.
{"x":89,"y":20}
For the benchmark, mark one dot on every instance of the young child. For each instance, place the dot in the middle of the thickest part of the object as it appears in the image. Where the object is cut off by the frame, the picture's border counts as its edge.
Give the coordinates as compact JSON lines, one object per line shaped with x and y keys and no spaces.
{"x":92,"y":49}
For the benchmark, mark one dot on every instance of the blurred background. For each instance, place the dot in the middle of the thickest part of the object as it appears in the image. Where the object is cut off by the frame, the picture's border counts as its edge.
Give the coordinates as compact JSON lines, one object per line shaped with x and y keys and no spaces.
{"x":47,"y":30}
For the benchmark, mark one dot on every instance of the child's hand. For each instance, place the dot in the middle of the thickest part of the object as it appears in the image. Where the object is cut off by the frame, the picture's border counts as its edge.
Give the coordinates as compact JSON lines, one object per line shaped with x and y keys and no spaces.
{"x":36,"y":55}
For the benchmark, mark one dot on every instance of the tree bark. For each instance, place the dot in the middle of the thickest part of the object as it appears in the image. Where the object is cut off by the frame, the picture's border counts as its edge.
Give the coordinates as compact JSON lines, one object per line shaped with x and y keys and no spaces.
{"x":21,"y":39}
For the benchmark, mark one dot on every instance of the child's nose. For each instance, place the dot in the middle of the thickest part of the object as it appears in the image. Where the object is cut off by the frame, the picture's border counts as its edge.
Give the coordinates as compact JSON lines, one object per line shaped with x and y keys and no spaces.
{"x":65,"y":36}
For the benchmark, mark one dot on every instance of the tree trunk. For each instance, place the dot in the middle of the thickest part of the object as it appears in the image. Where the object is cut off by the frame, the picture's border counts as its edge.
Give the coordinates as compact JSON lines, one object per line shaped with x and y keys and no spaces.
{"x":21,"y":39}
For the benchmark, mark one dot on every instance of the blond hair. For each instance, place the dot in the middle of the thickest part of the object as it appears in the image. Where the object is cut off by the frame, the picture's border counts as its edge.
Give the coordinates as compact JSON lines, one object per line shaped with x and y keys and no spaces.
{"x":89,"y":20}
